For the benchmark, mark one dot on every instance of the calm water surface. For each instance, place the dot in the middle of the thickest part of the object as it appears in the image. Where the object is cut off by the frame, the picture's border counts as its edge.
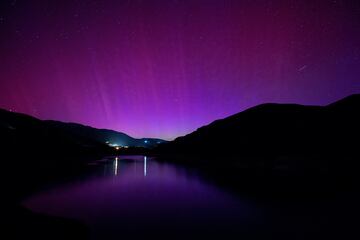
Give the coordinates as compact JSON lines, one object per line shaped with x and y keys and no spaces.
{"x":130,"y":197}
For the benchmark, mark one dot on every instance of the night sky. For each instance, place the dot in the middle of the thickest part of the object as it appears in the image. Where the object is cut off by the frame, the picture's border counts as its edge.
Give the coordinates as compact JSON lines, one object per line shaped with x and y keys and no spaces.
{"x":164,"y":68}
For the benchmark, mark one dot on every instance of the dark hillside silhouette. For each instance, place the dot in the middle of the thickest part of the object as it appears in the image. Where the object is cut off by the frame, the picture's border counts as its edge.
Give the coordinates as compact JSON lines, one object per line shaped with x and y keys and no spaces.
{"x":20,"y":133}
{"x":42,"y":150}
{"x":276,"y":130}
{"x":103,"y":135}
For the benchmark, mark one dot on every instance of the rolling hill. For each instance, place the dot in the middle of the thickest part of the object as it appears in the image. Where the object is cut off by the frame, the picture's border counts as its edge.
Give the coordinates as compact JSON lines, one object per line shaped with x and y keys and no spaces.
{"x":277,"y":129}
{"x":20,"y":133}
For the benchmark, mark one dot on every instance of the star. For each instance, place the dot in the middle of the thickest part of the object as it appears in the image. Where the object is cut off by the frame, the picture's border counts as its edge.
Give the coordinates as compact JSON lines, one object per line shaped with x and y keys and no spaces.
{"x":302,"y":68}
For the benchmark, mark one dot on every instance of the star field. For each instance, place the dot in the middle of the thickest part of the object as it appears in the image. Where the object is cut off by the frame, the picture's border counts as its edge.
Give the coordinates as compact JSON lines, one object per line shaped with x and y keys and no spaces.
{"x":164,"y":68}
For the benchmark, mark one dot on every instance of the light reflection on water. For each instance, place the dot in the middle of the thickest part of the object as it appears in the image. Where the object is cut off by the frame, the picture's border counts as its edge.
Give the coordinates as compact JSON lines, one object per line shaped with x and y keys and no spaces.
{"x":145,"y":166}
{"x":139,"y":191}
{"x":116,"y":165}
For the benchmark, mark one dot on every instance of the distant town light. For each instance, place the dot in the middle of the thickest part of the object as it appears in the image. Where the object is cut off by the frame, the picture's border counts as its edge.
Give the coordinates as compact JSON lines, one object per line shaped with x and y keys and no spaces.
{"x":117,"y":148}
{"x":114,"y":145}
{"x":146,"y":141}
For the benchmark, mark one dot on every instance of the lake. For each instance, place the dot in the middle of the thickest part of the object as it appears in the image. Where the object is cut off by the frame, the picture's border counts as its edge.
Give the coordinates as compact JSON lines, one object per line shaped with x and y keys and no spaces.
{"x":137,"y":197}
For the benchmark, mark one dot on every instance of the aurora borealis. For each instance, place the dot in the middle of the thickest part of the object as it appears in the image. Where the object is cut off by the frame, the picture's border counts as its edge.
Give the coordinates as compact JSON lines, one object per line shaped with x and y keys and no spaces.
{"x":164,"y":68}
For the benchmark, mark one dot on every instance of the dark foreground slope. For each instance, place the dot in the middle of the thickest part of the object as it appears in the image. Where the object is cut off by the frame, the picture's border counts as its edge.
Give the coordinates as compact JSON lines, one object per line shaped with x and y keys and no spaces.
{"x":36,"y":153}
{"x":277,"y":130}
{"x":32,"y":155}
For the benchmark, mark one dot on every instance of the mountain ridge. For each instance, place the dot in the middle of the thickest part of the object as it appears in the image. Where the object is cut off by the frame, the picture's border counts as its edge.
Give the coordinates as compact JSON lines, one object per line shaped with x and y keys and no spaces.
{"x":308,"y":127}
{"x":48,"y":136}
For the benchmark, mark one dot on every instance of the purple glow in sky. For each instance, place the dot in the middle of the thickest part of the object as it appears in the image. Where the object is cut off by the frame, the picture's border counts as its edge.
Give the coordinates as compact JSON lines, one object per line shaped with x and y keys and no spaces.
{"x":164,"y":68}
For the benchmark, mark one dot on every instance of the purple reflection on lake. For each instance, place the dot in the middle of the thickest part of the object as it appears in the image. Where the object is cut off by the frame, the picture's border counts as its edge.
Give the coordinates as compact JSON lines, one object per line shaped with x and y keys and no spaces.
{"x":137,"y":195}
